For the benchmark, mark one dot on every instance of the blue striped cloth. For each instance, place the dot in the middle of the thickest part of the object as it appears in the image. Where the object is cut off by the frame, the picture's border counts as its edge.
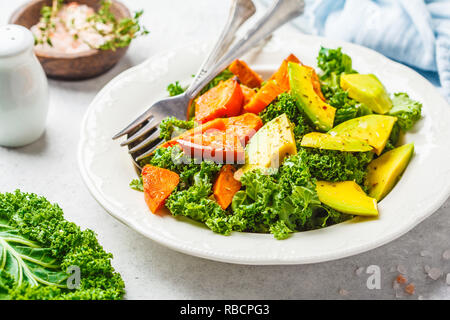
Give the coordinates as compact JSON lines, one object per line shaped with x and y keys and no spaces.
{"x":414,"y":32}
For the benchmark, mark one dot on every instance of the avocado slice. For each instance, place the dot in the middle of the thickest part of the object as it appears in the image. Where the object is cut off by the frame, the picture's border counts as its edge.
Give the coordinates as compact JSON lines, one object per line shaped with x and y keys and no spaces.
{"x":367,"y":89}
{"x":319,"y":112}
{"x":346,"y":197}
{"x":374,"y":129}
{"x":269,"y":146}
{"x":384,"y":172}
{"x":329,"y":142}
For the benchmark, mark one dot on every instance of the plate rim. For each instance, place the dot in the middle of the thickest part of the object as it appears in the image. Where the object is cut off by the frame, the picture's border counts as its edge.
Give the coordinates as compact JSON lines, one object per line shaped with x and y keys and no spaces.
{"x":428,"y":209}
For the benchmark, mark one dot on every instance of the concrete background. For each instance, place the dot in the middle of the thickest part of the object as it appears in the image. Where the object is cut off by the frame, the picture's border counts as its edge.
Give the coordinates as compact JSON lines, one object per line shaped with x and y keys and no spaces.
{"x":150,"y":271}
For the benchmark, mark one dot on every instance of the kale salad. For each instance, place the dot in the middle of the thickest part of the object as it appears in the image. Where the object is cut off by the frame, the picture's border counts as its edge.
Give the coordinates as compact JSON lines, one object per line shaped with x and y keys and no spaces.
{"x":301,"y":150}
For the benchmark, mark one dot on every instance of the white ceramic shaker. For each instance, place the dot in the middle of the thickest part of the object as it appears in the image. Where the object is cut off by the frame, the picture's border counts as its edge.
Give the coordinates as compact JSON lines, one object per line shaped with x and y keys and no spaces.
{"x":23,"y":88}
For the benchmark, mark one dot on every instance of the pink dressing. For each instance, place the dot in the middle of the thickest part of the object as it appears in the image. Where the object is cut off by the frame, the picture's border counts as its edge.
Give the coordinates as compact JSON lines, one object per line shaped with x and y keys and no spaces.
{"x":73,"y":33}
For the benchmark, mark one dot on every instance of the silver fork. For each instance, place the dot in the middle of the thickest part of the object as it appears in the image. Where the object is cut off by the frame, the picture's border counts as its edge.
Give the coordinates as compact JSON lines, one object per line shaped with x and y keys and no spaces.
{"x":147,"y":123}
{"x":281,"y":12}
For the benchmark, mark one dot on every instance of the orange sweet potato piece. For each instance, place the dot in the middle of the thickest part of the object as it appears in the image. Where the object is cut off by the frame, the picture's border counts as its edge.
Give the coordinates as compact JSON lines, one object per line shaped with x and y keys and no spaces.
{"x":219,"y":133}
{"x":276,"y":85}
{"x":224,"y":100}
{"x":226,"y":186}
{"x":158,"y":185}
{"x":215,"y":145}
{"x":248,"y":93}
{"x":245,"y":74}
{"x":281,"y":76}
{"x":213,"y":124}
{"x":264,"y":97}
{"x":243,"y":126}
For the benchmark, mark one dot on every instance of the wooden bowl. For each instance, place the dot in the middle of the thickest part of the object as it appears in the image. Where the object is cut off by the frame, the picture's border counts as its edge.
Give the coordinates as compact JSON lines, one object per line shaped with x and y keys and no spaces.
{"x":72,"y":66}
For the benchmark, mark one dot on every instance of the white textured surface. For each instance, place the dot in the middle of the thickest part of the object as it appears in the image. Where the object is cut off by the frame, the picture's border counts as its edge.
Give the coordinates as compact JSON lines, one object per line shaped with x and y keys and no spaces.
{"x":49,"y":167}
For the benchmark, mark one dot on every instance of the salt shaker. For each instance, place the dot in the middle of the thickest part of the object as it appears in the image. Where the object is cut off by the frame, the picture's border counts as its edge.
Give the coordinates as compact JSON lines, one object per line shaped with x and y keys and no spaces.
{"x":23,"y":88}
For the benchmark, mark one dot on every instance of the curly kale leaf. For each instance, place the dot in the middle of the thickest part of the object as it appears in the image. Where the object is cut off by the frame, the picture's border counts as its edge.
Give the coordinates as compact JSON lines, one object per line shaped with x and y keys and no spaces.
{"x":26,"y":260}
{"x":300,"y":206}
{"x":255,"y":206}
{"x":175,"y":89}
{"x":194,"y":202}
{"x":174,"y":159}
{"x":41,"y":245}
{"x":280,"y":230}
{"x":287,"y":104}
{"x":173,"y":127}
{"x":347,"y":108}
{"x":407,"y":111}
{"x":330,"y":165}
{"x":137,"y":184}
{"x":191,"y":198}
{"x":271,"y":203}
{"x":333,"y":61}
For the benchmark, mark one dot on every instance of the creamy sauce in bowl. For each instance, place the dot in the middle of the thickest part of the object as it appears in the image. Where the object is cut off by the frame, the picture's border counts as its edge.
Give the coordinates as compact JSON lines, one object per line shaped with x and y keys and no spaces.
{"x":72,"y":31}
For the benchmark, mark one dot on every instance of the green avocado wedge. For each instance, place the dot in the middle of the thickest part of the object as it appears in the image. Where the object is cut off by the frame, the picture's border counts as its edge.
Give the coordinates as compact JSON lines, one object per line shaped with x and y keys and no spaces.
{"x":269,"y":146}
{"x":374,"y":129}
{"x":367,"y":89}
{"x":329,"y":142}
{"x":384,"y":172}
{"x":347,"y":197}
{"x":320,"y":114}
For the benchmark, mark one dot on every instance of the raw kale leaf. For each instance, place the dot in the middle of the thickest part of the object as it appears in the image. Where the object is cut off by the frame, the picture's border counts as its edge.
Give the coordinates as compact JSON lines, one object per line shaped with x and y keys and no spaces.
{"x":330,"y":165}
{"x":174,"y":159}
{"x":137,"y":184}
{"x":407,"y":111}
{"x":333,"y":61}
{"x":287,"y":104}
{"x":194,"y":202}
{"x":175,"y":89}
{"x":173,"y":127}
{"x":37,"y":246}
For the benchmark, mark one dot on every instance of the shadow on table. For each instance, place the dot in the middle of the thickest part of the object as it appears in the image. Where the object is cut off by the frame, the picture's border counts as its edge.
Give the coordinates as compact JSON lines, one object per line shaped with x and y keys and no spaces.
{"x":37,"y":147}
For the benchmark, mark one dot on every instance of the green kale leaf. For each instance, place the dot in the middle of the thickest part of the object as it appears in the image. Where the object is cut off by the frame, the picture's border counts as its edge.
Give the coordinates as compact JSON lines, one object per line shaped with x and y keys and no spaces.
{"x":172,"y":127}
{"x":330,"y":165}
{"x":287,"y":104}
{"x":333,"y":61}
{"x":137,"y":184}
{"x":194,"y":202}
{"x":174,"y":159}
{"x":175,"y":89}
{"x":407,"y":111}
{"x":37,"y":247}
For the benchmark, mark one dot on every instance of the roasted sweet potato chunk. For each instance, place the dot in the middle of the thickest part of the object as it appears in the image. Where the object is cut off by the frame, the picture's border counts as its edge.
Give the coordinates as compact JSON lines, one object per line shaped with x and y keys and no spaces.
{"x":245,"y":74}
{"x":263,"y":97}
{"x":158,"y":185}
{"x":224,"y":100}
{"x":226,"y":186}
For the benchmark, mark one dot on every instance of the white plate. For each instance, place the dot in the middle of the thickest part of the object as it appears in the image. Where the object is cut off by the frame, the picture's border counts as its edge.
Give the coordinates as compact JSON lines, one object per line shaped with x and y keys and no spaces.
{"x":107,"y":169}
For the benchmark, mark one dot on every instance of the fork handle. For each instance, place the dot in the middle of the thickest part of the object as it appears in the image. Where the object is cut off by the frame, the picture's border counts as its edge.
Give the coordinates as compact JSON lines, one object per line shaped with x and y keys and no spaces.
{"x":281,"y":12}
{"x":240,"y":11}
